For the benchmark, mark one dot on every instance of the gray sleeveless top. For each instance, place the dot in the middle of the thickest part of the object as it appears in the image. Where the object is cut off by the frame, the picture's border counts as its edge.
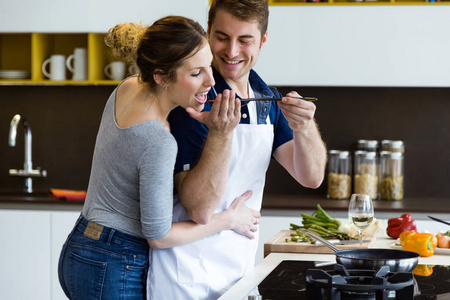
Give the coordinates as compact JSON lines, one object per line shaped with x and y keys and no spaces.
{"x":131,"y":183}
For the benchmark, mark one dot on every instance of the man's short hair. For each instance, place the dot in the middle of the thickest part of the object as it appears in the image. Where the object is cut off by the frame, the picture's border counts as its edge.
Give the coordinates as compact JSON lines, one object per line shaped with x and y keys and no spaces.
{"x":244,"y":10}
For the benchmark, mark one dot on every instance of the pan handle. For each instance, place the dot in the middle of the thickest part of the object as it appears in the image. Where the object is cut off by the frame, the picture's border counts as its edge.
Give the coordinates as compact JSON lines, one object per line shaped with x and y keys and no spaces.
{"x":320,"y":239}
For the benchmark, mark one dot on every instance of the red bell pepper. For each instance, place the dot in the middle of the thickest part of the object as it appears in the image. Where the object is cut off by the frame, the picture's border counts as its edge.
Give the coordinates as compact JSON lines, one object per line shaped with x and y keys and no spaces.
{"x":398,"y":225}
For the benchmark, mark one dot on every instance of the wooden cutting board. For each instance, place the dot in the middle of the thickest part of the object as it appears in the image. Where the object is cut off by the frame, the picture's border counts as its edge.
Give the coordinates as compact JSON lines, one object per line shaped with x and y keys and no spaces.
{"x":278,"y":244}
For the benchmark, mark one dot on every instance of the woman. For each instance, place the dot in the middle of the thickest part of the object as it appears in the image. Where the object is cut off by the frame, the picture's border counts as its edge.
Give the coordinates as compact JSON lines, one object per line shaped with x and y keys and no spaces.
{"x":130,"y":195}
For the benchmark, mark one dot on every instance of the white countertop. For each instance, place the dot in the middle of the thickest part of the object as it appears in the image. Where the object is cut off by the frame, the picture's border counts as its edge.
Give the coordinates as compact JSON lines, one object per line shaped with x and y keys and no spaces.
{"x":244,"y":286}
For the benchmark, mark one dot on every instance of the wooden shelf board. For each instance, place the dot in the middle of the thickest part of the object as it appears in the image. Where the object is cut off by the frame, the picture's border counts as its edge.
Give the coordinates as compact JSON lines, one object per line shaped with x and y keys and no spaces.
{"x":30,"y":82}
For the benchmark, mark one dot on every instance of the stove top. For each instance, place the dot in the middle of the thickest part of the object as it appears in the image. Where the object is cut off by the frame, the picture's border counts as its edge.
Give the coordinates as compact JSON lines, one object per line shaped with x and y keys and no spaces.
{"x":289,"y":281}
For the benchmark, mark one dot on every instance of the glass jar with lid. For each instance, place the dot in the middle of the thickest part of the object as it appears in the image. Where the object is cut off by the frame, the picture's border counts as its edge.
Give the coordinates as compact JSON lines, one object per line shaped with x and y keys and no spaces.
{"x":339,"y":174}
{"x":367,"y":145}
{"x":365,"y":178}
{"x":393,"y":146}
{"x":391,"y":181}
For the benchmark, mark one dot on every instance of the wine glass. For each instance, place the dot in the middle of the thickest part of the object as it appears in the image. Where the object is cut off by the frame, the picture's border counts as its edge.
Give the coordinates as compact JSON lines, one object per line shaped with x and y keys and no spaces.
{"x":360,"y":213}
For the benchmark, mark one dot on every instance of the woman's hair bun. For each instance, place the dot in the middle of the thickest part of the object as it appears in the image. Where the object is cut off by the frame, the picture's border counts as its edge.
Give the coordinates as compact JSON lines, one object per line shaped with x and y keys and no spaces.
{"x":124,"y":40}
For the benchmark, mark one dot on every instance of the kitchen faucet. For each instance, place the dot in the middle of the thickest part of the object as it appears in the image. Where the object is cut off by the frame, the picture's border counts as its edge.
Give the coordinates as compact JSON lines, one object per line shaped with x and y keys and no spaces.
{"x":27,"y":171}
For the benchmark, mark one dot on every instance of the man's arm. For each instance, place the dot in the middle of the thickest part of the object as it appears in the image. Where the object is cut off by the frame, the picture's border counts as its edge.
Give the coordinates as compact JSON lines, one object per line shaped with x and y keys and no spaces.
{"x":305,"y":156}
{"x":201,"y":189}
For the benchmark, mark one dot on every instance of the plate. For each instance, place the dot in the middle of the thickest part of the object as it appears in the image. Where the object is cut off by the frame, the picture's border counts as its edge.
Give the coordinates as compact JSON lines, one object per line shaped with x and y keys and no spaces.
{"x":69,"y":194}
{"x":14,"y":74}
{"x":437,"y":250}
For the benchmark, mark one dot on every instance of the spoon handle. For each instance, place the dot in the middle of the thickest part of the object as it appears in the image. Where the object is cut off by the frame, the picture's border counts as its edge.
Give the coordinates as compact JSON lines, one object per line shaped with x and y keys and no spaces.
{"x":272,"y":99}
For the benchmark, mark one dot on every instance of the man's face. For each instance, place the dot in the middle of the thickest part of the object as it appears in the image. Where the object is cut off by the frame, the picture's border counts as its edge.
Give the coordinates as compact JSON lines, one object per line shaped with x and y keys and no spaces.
{"x":235,"y":45}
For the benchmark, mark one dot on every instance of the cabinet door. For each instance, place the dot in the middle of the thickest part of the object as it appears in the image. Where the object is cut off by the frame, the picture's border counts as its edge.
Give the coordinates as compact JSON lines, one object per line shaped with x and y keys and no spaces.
{"x":24,"y":255}
{"x":62,"y":223}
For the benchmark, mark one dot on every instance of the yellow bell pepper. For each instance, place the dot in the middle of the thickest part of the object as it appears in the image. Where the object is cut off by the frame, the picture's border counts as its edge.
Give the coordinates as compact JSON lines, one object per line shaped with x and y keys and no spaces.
{"x":423,"y":270}
{"x":421,"y":243}
{"x":405,"y":234}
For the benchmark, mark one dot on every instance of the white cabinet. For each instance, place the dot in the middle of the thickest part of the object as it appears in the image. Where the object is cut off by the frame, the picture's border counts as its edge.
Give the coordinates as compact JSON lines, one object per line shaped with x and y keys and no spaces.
{"x":30,"y":243}
{"x":357,"y":45}
{"x":308,"y":45}
{"x":25,"y":255}
{"x":91,"y":16}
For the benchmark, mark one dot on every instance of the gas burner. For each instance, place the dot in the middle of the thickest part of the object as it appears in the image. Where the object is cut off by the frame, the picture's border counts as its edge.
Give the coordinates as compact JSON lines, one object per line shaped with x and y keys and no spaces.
{"x":425,"y":288}
{"x":344,"y":284}
{"x":300,"y":284}
{"x":288,"y":281}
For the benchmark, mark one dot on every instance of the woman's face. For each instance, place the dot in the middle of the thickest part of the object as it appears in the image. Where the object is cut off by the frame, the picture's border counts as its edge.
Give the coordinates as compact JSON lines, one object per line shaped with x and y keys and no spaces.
{"x":193,"y":80}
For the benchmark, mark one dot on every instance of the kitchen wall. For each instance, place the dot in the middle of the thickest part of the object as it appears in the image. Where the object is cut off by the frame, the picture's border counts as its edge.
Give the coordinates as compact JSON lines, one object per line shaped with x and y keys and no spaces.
{"x":418,"y":116}
{"x":380,"y":71}
{"x":65,"y":119}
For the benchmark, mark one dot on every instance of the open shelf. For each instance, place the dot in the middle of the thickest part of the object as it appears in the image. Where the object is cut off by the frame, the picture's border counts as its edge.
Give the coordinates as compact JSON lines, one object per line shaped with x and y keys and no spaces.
{"x":26,"y":52}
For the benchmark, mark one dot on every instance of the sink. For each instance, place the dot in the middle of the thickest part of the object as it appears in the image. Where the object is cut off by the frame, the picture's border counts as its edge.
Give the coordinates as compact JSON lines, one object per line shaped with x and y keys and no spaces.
{"x":17,"y":195}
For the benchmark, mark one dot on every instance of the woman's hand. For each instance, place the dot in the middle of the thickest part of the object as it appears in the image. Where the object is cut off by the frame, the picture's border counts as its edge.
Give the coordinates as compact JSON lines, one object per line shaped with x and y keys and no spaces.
{"x":224,"y":116}
{"x":244,"y":220}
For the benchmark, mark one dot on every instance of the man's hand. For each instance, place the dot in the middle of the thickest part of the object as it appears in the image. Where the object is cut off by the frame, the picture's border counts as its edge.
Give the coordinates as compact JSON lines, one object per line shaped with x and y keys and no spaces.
{"x":299,"y":113}
{"x":246,"y":220}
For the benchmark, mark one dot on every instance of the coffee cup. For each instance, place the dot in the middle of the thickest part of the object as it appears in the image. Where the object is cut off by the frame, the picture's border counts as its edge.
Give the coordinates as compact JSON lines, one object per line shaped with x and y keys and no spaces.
{"x":77,"y":64}
{"x":57,"y":67}
{"x":115,"y":70}
{"x":133,"y":69}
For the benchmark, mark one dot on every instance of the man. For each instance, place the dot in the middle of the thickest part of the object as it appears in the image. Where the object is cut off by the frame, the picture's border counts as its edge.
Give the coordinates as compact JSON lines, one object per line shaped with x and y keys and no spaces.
{"x":215,"y":166}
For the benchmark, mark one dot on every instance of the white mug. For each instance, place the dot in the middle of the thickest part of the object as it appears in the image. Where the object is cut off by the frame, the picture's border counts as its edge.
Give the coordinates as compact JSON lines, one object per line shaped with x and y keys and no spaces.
{"x":79,"y":68}
{"x":57,"y":67}
{"x":133,"y":69}
{"x":115,"y":70}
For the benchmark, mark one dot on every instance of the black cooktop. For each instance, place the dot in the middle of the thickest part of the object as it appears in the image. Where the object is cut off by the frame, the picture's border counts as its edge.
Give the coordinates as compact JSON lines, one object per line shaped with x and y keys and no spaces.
{"x":288,"y":281}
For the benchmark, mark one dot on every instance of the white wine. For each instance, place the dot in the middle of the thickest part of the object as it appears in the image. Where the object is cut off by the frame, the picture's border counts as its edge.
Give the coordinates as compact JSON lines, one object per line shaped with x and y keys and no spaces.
{"x":361,"y":221}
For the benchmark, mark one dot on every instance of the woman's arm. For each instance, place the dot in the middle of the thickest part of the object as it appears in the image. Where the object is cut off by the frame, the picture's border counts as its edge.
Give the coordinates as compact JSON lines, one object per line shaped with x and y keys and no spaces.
{"x":237,"y":217}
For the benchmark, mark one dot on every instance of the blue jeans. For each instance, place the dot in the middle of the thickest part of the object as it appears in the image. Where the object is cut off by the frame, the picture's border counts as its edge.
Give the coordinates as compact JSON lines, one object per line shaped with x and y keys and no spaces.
{"x":98,"y":262}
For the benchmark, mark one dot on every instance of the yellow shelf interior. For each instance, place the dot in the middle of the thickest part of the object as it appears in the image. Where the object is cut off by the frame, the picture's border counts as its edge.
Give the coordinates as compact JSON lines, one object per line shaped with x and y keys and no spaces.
{"x":28,"y":51}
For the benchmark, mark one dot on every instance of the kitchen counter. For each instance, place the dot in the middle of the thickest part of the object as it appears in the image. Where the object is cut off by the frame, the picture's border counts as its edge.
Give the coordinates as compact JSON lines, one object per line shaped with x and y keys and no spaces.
{"x":270,"y":202}
{"x":244,"y":286}
{"x":49,"y":202}
{"x":309,"y":202}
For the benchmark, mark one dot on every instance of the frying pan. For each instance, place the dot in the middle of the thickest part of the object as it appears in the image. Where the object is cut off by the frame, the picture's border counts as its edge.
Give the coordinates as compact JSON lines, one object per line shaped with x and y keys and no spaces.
{"x":371,"y":259}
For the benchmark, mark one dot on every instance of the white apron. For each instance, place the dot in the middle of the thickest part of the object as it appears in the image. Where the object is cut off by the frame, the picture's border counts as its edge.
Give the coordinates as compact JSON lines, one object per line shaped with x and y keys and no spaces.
{"x":207,"y":268}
